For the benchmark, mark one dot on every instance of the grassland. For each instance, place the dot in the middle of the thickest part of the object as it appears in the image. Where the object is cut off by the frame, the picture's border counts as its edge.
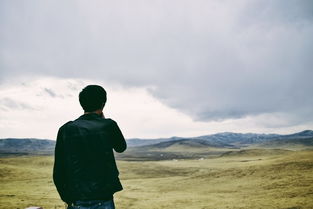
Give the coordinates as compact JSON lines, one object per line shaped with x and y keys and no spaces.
{"x":246,"y":179}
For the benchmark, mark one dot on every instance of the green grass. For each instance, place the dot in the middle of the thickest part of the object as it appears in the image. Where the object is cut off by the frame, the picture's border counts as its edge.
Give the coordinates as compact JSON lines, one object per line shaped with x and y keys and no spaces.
{"x":252,"y":179}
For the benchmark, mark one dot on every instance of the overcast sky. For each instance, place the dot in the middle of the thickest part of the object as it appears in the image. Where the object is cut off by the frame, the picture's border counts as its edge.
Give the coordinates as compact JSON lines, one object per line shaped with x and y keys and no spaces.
{"x":171,"y":67}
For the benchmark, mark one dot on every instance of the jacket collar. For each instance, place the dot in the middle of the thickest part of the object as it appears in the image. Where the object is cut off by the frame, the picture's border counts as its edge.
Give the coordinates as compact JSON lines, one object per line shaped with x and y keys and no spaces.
{"x":89,"y":116}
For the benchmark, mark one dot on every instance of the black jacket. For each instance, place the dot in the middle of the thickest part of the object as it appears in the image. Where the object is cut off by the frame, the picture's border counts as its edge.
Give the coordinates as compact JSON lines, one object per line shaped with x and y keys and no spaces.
{"x":84,"y":166}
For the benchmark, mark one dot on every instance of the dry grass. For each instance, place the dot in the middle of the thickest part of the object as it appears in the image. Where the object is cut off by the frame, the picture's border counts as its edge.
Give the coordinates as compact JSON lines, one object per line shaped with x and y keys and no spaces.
{"x":252,"y":180}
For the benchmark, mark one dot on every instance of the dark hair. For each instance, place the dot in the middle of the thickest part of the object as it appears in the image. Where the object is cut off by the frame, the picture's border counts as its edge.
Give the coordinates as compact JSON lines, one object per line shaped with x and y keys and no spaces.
{"x":92,"y":97}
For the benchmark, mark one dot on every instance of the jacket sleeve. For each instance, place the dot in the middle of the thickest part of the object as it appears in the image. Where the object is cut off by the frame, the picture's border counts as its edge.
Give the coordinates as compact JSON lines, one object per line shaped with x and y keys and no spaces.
{"x":59,"y":176}
{"x":119,"y":143}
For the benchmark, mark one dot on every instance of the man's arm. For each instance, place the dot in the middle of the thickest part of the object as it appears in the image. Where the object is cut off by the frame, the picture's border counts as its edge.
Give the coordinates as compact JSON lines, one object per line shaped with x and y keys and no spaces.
{"x":119,"y":143}
{"x":59,"y":168}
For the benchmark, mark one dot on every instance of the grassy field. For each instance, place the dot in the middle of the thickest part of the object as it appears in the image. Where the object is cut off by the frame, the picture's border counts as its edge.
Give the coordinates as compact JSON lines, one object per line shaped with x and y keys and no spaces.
{"x":246,"y":179}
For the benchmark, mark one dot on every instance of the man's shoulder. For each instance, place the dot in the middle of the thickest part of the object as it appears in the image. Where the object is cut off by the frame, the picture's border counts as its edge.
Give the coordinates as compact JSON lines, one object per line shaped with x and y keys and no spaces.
{"x":69,"y":123}
{"x":109,"y":120}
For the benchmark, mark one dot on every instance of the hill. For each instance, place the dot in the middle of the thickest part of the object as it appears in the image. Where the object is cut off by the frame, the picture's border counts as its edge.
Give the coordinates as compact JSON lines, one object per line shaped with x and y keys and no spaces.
{"x":226,"y":139}
{"x":289,"y":143}
{"x":11,"y":146}
{"x":255,"y":152}
{"x":176,"y":147}
{"x":192,"y":143}
{"x":229,"y":140}
{"x":215,"y":145}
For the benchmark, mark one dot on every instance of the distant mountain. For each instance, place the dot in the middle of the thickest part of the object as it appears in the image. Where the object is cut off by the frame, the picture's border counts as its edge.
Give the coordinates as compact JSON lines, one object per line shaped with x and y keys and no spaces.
{"x":226,"y":139}
{"x":187,"y":142}
{"x":304,"y":134}
{"x":135,"y":142}
{"x":292,"y":142}
{"x":220,"y":140}
{"x":26,"y":146}
{"x":238,"y":139}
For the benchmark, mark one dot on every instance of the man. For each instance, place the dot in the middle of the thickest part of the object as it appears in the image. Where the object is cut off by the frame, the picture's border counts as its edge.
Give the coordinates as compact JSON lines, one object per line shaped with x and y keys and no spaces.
{"x":85,"y":171}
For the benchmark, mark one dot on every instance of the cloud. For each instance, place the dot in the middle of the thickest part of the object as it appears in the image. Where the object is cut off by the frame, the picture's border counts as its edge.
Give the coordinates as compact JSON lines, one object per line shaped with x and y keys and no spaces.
{"x":10,"y":104}
{"x":50,"y":92}
{"x":135,"y":110}
{"x":214,"y":60}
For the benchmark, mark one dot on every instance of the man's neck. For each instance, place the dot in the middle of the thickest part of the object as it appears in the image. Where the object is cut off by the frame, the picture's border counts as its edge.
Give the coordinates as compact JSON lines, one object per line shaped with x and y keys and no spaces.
{"x":99,"y":112}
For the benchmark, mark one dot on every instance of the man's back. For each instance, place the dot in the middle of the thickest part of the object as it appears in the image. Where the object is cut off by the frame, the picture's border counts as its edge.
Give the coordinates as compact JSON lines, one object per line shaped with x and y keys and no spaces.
{"x":85,"y":167}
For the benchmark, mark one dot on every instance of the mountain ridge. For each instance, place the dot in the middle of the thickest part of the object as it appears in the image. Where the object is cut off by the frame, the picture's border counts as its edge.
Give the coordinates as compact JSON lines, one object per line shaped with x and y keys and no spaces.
{"x":219,"y":140}
{"x":225,"y":137}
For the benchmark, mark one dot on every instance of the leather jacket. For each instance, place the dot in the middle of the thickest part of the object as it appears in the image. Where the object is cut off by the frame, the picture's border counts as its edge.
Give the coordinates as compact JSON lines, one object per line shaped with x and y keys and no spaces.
{"x":84,"y":166}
